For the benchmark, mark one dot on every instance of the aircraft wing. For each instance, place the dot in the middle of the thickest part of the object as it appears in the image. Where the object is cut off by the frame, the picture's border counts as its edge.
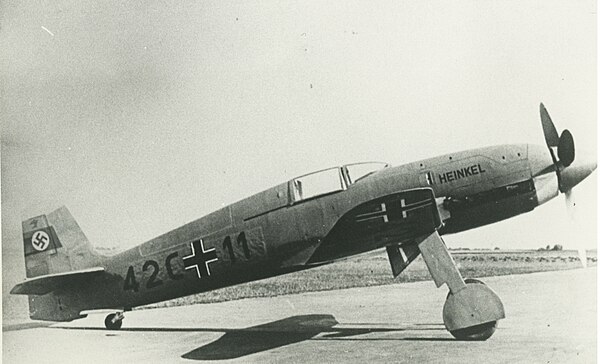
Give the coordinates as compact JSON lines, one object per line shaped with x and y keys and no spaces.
{"x":397,"y":219}
{"x":48,"y":283}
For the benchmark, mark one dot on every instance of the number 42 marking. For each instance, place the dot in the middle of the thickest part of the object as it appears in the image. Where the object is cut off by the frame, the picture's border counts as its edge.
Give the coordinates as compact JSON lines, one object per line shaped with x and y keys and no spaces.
{"x":132,"y":284}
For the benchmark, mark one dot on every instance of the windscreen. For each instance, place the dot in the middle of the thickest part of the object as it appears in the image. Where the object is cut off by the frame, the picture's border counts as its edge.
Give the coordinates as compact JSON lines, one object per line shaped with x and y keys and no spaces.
{"x":359,"y":171}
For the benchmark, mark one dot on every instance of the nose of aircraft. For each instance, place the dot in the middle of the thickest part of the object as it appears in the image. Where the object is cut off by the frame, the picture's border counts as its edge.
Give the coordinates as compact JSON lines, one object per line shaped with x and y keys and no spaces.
{"x":582,"y":167}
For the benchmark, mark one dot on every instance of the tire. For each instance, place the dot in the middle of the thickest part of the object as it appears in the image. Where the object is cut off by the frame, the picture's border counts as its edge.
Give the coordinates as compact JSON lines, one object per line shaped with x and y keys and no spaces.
{"x":476,"y":333}
{"x":110,"y":325}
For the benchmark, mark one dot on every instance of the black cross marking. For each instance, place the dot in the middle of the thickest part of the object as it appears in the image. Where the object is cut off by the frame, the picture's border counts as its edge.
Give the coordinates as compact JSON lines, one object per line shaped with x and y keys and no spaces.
{"x":381,"y":214}
{"x":201,"y":259}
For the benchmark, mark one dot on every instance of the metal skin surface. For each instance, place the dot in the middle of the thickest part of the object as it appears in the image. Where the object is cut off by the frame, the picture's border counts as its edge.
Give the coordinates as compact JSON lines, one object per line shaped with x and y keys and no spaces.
{"x":270,"y":233}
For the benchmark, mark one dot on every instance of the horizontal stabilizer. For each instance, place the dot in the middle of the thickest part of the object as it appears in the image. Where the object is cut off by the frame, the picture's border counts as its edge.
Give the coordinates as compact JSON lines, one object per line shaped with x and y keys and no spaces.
{"x":50,"y":282}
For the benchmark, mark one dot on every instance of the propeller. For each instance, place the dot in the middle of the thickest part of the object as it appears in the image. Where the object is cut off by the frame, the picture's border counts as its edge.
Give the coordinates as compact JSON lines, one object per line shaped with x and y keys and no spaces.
{"x":564,"y":144}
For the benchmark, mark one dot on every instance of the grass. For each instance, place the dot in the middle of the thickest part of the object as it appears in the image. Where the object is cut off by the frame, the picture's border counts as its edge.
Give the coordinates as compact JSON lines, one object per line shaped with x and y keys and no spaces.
{"x":373,"y":269}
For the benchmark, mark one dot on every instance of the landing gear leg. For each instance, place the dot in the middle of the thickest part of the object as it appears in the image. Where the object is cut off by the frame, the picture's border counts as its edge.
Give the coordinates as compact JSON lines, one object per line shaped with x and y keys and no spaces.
{"x":114,"y":321}
{"x":472,"y":309}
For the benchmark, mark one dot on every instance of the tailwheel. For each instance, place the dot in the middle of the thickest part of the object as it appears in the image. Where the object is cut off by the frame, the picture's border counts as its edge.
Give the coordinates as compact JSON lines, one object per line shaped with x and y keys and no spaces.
{"x":472,"y":313}
{"x":114,"y":321}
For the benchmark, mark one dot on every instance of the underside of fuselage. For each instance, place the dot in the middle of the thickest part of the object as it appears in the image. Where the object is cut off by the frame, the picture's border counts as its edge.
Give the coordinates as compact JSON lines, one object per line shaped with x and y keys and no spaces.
{"x":465,"y":213}
{"x":488,"y":207}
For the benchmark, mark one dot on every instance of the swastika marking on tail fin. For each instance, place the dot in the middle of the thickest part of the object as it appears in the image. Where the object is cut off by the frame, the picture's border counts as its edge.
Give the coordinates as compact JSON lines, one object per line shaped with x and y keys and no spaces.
{"x":40,"y":241}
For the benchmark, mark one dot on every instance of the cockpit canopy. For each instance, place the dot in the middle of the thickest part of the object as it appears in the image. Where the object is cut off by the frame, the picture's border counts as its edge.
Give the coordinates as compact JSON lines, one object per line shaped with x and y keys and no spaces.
{"x":332,"y":180}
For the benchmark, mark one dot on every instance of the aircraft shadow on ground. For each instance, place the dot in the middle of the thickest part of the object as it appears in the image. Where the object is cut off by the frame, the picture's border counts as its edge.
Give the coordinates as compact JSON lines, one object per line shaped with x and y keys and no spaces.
{"x":25,"y":326}
{"x":237,"y":343}
{"x":272,"y":335}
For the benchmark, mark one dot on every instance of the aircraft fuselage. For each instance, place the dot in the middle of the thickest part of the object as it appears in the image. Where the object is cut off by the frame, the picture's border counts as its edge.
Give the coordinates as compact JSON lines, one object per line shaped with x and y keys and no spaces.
{"x":276,"y":231}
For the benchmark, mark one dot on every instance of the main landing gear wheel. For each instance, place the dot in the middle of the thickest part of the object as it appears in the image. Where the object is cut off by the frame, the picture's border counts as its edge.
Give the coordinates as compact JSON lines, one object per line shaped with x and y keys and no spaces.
{"x":114,"y":321}
{"x":474,"y":303}
{"x":472,"y":309}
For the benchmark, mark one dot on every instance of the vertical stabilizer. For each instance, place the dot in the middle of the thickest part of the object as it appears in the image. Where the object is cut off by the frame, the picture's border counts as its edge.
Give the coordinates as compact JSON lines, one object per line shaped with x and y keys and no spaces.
{"x":54,"y":243}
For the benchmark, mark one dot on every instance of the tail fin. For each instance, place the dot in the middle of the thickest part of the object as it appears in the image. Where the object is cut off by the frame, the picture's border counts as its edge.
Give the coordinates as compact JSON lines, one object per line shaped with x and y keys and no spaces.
{"x":54,"y":243}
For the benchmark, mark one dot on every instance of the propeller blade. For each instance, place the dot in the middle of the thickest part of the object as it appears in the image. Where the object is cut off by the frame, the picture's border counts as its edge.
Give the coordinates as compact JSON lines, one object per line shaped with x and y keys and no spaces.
{"x":565,"y":145}
{"x":550,"y":133}
{"x":571,"y":209}
{"x":566,"y":148}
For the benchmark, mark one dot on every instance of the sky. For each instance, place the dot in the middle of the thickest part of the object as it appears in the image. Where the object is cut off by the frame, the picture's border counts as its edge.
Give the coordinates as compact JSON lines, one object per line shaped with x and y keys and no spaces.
{"x":140,"y":117}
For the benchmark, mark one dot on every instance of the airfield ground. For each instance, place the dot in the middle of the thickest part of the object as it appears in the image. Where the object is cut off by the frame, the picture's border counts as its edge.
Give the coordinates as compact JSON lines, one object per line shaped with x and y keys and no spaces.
{"x":373,"y":269}
{"x":551,"y":318}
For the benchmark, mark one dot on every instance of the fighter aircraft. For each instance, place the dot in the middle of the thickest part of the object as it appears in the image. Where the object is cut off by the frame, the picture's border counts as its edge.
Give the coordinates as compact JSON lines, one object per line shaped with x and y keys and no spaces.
{"x":306,"y":222}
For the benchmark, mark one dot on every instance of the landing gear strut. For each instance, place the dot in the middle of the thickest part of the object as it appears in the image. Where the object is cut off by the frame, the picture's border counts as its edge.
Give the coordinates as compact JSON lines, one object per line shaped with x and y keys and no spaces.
{"x":472,"y":309}
{"x":114,"y":321}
